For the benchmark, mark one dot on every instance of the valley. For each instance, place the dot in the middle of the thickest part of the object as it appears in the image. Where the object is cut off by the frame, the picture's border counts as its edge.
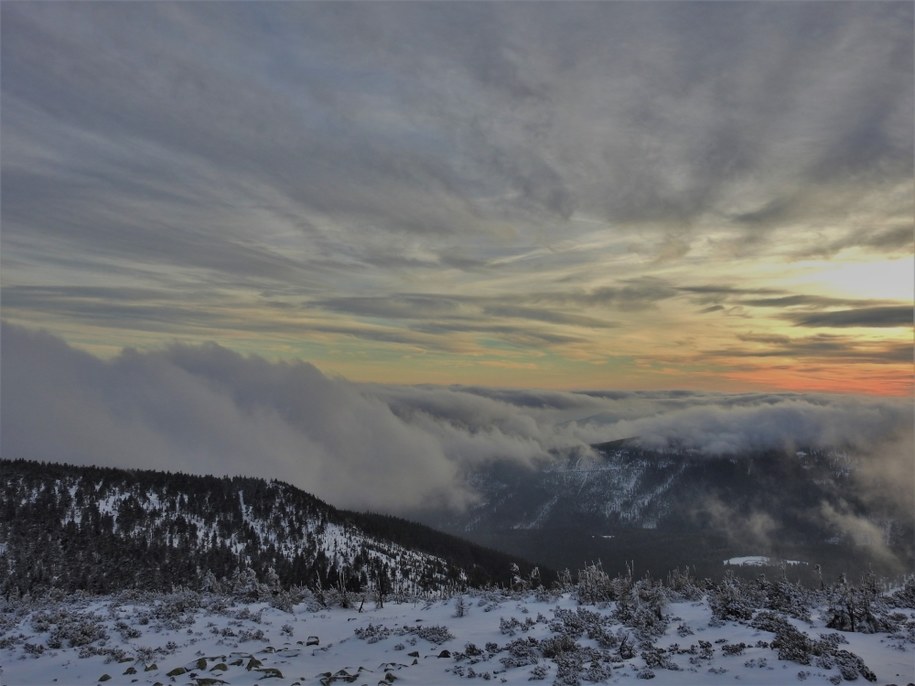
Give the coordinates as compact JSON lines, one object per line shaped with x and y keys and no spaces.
{"x":664,"y":509}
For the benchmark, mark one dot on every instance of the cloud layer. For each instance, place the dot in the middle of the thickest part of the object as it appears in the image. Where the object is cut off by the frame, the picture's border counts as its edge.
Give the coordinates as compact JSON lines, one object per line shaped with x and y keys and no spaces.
{"x":512,"y":193}
{"x":205,"y":409}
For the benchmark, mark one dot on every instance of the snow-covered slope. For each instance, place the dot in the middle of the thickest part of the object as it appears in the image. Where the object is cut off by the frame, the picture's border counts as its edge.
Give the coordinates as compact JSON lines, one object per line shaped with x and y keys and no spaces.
{"x":500,"y":638}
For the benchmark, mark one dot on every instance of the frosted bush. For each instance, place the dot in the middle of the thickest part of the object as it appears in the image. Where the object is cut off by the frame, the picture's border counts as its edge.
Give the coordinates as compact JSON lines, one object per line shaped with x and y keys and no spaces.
{"x":433,"y":634}
{"x":728,"y":603}
{"x":521,"y":652}
{"x":372,"y":633}
{"x":859,"y":607}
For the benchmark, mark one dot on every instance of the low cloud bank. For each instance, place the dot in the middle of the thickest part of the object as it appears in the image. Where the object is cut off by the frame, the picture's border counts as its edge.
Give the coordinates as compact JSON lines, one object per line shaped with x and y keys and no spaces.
{"x":738,"y":425}
{"x":205,"y":409}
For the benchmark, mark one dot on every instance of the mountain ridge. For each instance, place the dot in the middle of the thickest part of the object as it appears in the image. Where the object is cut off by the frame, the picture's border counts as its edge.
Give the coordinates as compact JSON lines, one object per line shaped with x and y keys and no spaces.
{"x":101,"y":529}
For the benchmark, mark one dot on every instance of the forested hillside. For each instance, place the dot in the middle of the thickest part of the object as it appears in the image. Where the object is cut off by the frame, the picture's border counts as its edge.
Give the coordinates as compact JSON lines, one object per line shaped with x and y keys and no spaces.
{"x":99,"y":530}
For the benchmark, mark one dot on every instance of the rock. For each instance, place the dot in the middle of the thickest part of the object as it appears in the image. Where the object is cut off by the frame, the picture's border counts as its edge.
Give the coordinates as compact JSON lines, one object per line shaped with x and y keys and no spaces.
{"x":271,"y":673}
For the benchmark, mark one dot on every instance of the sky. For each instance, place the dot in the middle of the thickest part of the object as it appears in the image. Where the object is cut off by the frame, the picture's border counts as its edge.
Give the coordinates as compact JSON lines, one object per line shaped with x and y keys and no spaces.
{"x":715,"y":197}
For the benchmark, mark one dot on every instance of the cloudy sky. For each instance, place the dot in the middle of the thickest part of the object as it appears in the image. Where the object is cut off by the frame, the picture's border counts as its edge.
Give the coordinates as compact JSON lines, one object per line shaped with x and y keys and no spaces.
{"x":705,"y":196}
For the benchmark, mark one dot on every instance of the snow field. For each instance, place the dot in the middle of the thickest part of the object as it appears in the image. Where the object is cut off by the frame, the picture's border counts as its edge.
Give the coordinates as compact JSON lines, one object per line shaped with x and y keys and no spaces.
{"x":759,"y":561}
{"x":501,"y":638}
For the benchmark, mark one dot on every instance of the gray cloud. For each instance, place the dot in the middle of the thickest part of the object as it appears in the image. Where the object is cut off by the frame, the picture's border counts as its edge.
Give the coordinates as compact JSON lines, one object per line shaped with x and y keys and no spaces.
{"x":812,"y":310}
{"x":288,"y":142}
{"x":398,"y":306}
{"x":825,"y":347}
{"x":632,"y":295}
{"x":430,"y":318}
{"x":717,"y":293}
{"x":523,"y":336}
{"x":862,"y":316}
{"x":545,"y":315}
{"x":897,"y":238}
{"x":754,"y":529}
{"x":809,"y":301}
{"x":129,"y":308}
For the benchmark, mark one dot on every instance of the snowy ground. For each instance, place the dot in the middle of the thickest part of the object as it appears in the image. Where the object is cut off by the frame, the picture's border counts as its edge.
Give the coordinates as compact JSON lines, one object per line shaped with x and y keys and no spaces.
{"x":181,"y":640}
{"x":760,"y":561}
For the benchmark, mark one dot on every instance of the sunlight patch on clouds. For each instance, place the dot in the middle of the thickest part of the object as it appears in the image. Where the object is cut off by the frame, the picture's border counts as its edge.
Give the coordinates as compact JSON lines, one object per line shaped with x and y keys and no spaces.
{"x":890,"y":279}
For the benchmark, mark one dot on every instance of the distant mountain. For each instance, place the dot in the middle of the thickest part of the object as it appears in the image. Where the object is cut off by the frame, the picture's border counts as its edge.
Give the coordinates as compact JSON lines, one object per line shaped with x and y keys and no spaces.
{"x":675,"y":507}
{"x":101,"y":530}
